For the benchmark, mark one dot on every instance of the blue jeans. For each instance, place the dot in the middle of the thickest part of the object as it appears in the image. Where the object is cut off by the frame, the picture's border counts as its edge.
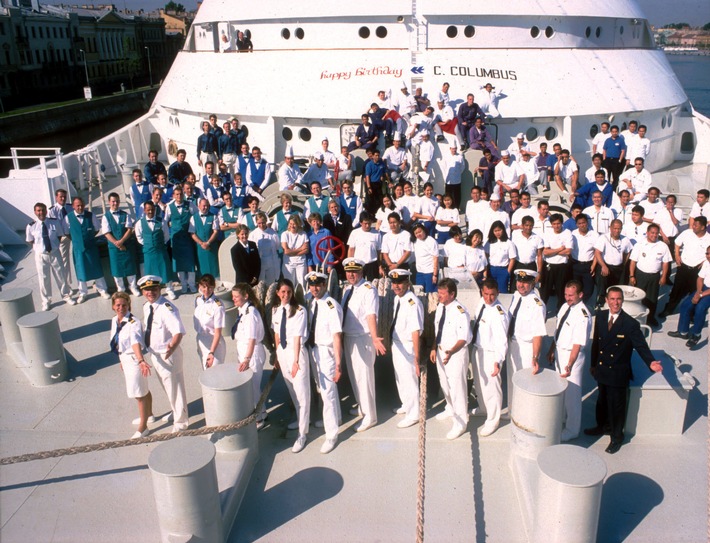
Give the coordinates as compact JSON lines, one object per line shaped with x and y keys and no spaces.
{"x":502,"y":277}
{"x":426,"y":280}
{"x":693,"y":312}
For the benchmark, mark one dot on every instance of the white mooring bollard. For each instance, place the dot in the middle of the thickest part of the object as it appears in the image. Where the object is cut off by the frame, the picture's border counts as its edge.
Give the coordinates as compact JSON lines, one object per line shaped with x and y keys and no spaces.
{"x":44,"y":356}
{"x":14,"y":303}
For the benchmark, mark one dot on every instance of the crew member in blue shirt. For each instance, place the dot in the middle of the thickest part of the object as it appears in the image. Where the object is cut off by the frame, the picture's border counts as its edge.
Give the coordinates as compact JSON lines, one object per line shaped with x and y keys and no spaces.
{"x":179,"y":170}
{"x":375,"y":173}
{"x":614,"y":155}
{"x":154,"y":167}
{"x":206,"y":145}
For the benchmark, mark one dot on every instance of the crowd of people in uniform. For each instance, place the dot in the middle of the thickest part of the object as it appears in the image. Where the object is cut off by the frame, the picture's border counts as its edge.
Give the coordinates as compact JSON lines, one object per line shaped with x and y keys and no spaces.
{"x":620,"y":232}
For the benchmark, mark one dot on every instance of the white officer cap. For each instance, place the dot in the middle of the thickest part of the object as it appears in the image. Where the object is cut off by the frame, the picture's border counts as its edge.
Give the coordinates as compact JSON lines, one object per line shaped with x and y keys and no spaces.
{"x":399,"y":275}
{"x":495,"y":197}
{"x":149,"y":281}
{"x":353,"y":264}
{"x":526,"y":276}
{"x":314,"y":278}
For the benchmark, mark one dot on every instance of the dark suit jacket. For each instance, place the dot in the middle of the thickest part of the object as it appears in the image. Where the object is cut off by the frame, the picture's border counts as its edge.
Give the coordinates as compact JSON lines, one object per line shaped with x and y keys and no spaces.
{"x":342,"y":228}
{"x":246,"y":265}
{"x":612,"y":349}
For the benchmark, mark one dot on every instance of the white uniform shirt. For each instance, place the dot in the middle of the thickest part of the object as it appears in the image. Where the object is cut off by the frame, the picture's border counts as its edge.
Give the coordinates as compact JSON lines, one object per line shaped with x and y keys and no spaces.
{"x":542,"y":226}
{"x":365,"y":244}
{"x":532,"y":174}
{"x":296,"y":324}
{"x":583,"y":246}
{"x":492,"y":333}
{"x":209,"y":315}
{"x":131,"y":333}
{"x":267,"y":243}
{"x":267,"y":175}
{"x":476,"y":260}
{"x":289,"y":175}
{"x":638,"y":148}
{"x":651,"y":209}
{"x":328,"y":320}
{"x":599,"y":219}
{"x":613,"y":250}
{"x":395,"y":245}
{"x":704,"y":274}
{"x":527,"y":248}
{"x":444,"y":214}
{"x":663,"y":219}
{"x":650,"y":257}
{"x":425,"y":251}
{"x":203,"y":218}
{"x":106,"y":228}
{"x":427,"y":206}
{"x":576,"y":328}
{"x":55,"y":230}
{"x":454,"y":166}
{"x":530,"y":318}
{"x":250,"y":326}
{"x":426,"y":152}
{"x":457,"y":325}
{"x":410,"y":317}
{"x":635,"y":232}
{"x":493,"y":216}
{"x":555,"y":241}
{"x":315,"y":173}
{"x":166,"y":324}
{"x":590,"y":176}
{"x":500,"y":253}
{"x":152,"y":224}
{"x":509,"y":174}
{"x":692,"y":247}
{"x":521,"y":213}
{"x":394,"y":157}
{"x":455,"y":253}
{"x":566,"y":171}
{"x":698,"y":210}
{"x":599,"y":140}
{"x":640,"y":183}
{"x":294,"y":241}
{"x":476,"y":215}
{"x":363,"y":302}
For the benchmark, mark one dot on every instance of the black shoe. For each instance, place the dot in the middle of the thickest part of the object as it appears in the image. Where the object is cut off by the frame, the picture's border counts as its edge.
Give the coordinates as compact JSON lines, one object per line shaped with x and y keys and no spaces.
{"x":653,"y":323}
{"x":693,"y":341}
{"x":663,"y":314}
{"x":613,"y":447}
{"x":595,"y":431}
{"x":440,"y":139}
{"x":679,"y":335}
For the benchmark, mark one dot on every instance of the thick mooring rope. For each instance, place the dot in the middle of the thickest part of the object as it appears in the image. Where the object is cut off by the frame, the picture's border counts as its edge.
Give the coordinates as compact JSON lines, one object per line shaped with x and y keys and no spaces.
{"x":421,"y":460}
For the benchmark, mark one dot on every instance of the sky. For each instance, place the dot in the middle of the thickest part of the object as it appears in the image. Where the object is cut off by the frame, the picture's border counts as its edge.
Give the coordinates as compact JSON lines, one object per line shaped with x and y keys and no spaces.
{"x":658,"y":12}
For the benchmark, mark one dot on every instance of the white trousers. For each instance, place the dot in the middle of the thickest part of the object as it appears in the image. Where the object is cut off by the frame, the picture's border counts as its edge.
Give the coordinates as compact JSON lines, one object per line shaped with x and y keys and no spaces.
{"x":452,"y":378}
{"x":49,"y":264}
{"x":256,"y":365}
{"x":406,"y":378}
{"x":296,"y":273}
{"x":488,"y":388}
{"x":204,"y":342}
{"x":519,"y":357}
{"x":323,"y":360}
{"x":229,"y":159}
{"x":121,"y":284}
{"x":299,"y":387}
{"x":100,"y":284}
{"x":172,"y":378}
{"x":360,"y":359}
{"x":573,"y":394}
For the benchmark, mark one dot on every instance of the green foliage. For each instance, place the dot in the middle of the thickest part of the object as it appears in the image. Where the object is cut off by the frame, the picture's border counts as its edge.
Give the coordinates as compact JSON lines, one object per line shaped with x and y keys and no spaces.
{"x":172,"y":6}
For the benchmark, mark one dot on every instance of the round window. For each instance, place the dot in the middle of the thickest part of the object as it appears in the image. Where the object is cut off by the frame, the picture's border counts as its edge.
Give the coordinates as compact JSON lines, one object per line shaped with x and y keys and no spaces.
{"x":588,"y":31}
{"x":531,"y":133}
{"x":285,"y":33}
{"x":549,"y":32}
{"x":287,"y":133}
{"x":364,"y":32}
{"x":534,"y":32}
{"x":663,"y":122}
{"x":299,"y":33}
{"x":670,"y":120}
{"x":593,"y":131}
{"x":381,"y":32}
{"x":304,"y":134}
{"x":469,"y":31}
{"x":452,"y":31}
{"x":598,"y":33}
{"x":550,"y":133}
{"x":621,"y":30}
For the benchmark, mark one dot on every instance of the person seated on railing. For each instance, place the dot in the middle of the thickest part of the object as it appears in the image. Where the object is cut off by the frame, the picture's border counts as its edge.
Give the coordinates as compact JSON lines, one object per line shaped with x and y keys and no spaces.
{"x":479,"y":138}
{"x":345,"y":165}
{"x":395,"y":158}
{"x":179,"y":170}
{"x":467,"y":114}
{"x":318,"y":172}
{"x":258,"y":171}
{"x":366,"y":135}
{"x":290,"y":177}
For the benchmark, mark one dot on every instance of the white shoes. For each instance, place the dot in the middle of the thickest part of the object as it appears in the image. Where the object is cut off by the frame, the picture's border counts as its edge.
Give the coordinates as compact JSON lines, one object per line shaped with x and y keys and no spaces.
{"x":328,"y":446}
{"x":168,"y":417}
{"x":479,"y":412}
{"x":365,"y":426}
{"x":80,"y":299}
{"x":487,"y":429}
{"x":445,"y":414}
{"x":105,"y":295}
{"x":567,"y":436}
{"x":69,"y":300}
{"x":399,"y":410}
{"x":293,"y":425}
{"x":45,"y":306}
{"x":299,"y":445}
{"x":170,"y":295}
{"x":135,"y":291}
{"x":138,"y":434}
{"x":355,"y":411}
{"x":406,"y":423}
{"x":456,"y":432}
{"x":137,"y":421}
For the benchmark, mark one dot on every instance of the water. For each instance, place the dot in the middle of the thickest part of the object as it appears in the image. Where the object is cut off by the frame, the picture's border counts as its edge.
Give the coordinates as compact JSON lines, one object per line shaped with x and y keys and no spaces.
{"x":693,"y":71}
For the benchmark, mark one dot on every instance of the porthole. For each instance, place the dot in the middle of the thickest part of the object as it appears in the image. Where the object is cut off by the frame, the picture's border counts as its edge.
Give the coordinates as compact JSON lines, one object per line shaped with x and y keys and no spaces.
{"x":593,"y":131}
{"x":304,"y":134}
{"x":663,"y":122}
{"x":621,"y":30}
{"x":285,"y":33}
{"x":364,"y":32}
{"x":598,"y":33}
{"x":549,"y":32}
{"x":452,"y":31}
{"x":381,"y":32}
{"x":534,"y":32}
{"x":469,"y":31}
{"x":287,"y":133}
{"x":550,"y":133}
{"x":299,"y":33}
{"x":670,"y":120}
{"x":588,"y":31}
{"x":531,"y":133}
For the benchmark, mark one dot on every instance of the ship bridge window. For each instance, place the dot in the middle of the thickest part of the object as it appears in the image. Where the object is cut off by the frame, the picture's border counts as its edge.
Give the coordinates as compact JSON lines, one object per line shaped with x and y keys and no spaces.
{"x":550,"y":133}
{"x":381,"y":32}
{"x":534,"y":32}
{"x":670,"y":120}
{"x":364,"y":32}
{"x":663,"y":122}
{"x":299,"y":33}
{"x":687,"y":142}
{"x":285,"y":33}
{"x":304,"y":134}
{"x":593,"y":131}
{"x":452,"y":31}
{"x":588,"y":31}
{"x":549,"y":32}
{"x":531,"y":133}
{"x":598,"y":33}
{"x":469,"y":31}
{"x":287,"y":133}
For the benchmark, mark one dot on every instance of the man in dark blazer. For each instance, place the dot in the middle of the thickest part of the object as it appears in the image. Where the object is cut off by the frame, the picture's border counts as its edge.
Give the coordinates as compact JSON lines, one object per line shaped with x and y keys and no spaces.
{"x":338,"y":222}
{"x":245,"y":258}
{"x":616,"y":334}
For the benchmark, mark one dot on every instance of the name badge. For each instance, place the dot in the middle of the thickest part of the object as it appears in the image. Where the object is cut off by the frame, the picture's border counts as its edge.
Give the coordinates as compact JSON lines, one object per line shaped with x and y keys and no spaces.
{"x":621,"y":336}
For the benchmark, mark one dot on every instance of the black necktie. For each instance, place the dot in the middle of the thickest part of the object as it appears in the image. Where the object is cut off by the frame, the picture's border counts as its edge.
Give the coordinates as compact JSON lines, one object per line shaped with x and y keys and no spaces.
{"x":236,"y":323}
{"x":45,"y":238}
{"x":114,"y":339}
{"x":346,"y":301}
{"x":440,"y":329}
{"x":611,"y":321}
{"x":478,"y":321}
{"x":63,"y":212}
{"x":394,"y":320}
{"x":562,"y":321}
{"x":312,"y":332}
{"x":282,"y":329}
{"x":148,"y":327}
{"x":511,"y":327}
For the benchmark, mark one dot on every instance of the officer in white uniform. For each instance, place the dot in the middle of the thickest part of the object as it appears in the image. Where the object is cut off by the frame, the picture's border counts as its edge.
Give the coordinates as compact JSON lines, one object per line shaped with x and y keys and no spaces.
{"x":452,"y":324}
{"x":361,"y":343}
{"x":574,"y":326}
{"x":46,"y":234}
{"x":526,"y":329}
{"x":163,"y":333}
{"x":325,"y":342}
{"x":490,"y":337}
{"x":406,"y":330}
{"x":208,"y":321}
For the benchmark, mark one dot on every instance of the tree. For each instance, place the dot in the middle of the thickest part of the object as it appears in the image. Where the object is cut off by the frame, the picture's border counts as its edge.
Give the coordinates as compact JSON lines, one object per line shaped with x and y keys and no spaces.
{"x":176,"y":8}
{"x":707,"y":27}
{"x":678,"y":26}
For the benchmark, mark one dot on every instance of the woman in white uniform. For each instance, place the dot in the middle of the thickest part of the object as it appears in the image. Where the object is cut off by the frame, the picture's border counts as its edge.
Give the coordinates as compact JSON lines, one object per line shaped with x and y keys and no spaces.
{"x":208,"y":320}
{"x":290,"y":325}
{"x":248,"y":330}
{"x":127,"y":342}
{"x":295,"y":247}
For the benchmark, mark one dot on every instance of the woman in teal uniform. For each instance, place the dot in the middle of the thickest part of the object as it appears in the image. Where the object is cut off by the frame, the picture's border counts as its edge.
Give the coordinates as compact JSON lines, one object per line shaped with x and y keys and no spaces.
{"x":83,"y":226}
{"x":117,"y":226}
{"x":177,"y":216}
{"x":228,"y":216}
{"x":152,"y":235}
{"x":204,"y":230}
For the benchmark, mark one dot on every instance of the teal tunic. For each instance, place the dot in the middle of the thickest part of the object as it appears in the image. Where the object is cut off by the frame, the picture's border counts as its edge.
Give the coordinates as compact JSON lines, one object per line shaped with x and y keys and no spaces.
{"x":155,"y":252}
{"x":250,"y":221}
{"x":87,"y":261}
{"x":322,"y":208}
{"x":181,"y":240}
{"x":230,"y":216}
{"x":123,"y":263}
{"x":206,"y":259}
